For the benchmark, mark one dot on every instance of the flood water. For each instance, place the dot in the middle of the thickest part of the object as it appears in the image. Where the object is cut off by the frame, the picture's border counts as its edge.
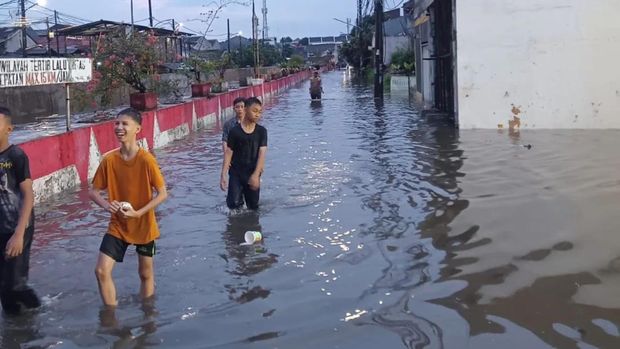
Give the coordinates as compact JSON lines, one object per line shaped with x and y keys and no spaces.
{"x":382,"y":229}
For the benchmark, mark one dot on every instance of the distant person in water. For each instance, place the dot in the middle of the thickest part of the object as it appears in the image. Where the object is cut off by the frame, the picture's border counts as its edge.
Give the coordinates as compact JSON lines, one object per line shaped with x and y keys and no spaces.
{"x":239,"y":108}
{"x":244,"y":158}
{"x":316,"y":88}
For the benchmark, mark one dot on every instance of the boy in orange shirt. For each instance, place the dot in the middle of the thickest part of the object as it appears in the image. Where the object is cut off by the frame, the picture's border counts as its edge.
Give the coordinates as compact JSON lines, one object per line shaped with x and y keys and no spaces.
{"x":129,"y":175}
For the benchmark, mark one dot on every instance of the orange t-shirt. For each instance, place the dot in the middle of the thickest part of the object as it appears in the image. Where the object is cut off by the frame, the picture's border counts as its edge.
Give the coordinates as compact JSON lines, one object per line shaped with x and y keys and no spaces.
{"x":132,"y":181}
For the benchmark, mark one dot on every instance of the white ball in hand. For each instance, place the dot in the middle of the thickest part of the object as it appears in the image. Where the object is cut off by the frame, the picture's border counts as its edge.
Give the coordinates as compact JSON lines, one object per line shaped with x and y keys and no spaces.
{"x":125,"y":206}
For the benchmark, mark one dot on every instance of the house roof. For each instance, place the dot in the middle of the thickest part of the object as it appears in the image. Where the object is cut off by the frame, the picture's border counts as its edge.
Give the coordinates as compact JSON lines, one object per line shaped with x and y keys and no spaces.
{"x":394,"y":13}
{"x":7,"y":32}
{"x":234,"y":42}
{"x":200,"y":43}
{"x":396,"y":27}
{"x":31,"y":51}
{"x":104,"y":26}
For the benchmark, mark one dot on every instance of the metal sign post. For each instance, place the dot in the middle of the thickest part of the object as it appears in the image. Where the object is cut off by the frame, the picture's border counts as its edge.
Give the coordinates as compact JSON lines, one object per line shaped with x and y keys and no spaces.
{"x":68,"y":89}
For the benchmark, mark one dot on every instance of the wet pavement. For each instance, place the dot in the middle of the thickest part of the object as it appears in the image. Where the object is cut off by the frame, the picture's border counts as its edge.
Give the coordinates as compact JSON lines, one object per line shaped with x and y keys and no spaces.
{"x":382,"y":229}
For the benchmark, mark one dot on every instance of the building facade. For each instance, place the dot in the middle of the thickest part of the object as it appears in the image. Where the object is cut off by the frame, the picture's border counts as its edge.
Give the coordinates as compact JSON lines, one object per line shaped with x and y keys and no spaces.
{"x":519,"y":64}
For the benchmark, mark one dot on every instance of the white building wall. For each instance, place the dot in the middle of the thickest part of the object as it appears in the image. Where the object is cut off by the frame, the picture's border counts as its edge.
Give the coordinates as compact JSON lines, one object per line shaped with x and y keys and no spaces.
{"x":553,"y":64}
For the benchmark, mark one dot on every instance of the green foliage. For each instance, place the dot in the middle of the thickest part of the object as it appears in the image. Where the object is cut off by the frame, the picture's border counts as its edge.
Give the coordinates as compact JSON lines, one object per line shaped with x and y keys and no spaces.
{"x":131,"y":58}
{"x":121,"y":59}
{"x":287,"y":51}
{"x":387,"y":80}
{"x":269,"y":56}
{"x":403,"y":61}
{"x":357,"y":47}
{"x":296,"y":61}
{"x":198,"y":68}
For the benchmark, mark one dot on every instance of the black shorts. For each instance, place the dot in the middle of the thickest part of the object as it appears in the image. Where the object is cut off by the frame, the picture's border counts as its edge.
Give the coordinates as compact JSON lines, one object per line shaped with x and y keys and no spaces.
{"x":115,"y":248}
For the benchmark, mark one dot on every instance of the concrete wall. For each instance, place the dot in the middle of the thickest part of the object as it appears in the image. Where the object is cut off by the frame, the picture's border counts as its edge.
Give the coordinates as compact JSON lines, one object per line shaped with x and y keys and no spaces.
{"x":29,"y":103}
{"x":64,"y":161}
{"x":551,"y":64}
{"x":402,"y":83}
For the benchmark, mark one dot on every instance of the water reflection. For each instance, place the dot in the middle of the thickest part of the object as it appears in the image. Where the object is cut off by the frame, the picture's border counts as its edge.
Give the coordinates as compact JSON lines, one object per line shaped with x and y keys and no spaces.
{"x":134,"y":332}
{"x":18,"y":329}
{"x":243,"y":261}
{"x":408,"y":185}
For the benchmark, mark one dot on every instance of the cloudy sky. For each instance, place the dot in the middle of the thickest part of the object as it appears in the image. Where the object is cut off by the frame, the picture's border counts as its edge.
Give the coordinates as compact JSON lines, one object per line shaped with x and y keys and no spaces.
{"x":295,"y":18}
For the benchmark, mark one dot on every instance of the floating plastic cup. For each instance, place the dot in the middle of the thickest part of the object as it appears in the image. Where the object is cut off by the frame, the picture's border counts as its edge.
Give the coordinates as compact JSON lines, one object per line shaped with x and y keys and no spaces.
{"x":252,"y":237}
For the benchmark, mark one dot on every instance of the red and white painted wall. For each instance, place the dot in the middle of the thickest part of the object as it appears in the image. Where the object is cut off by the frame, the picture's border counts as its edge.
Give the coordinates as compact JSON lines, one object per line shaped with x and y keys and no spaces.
{"x":64,"y":161}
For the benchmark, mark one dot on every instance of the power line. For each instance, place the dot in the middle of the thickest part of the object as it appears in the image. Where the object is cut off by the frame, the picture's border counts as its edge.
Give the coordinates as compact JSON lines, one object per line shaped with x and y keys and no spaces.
{"x":60,"y":14}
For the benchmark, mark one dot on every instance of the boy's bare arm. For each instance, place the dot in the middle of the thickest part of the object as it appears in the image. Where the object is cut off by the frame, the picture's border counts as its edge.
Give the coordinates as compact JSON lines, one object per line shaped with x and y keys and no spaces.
{"x":95,"y":195}
{"x":260,"y":163}
{"x":15,"y":245}
{"x":254,"y":181}
{"x":228,"y":153}
{"x":27,"y":204}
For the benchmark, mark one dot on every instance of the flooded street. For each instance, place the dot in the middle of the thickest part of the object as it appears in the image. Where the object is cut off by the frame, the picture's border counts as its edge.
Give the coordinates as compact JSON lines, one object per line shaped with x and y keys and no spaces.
{"x":382,"y":229}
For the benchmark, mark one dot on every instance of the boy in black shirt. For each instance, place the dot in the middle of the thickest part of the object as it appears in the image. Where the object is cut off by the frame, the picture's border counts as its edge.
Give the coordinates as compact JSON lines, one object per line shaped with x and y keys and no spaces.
{"x":16,"y":222}
{"x":244,"y":158}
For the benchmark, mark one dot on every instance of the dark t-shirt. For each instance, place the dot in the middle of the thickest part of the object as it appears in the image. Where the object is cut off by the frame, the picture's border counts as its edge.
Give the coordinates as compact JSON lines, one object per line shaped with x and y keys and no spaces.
{"x":245,"y":148}
{"x":228,"y":125}
{"x":14,"y":169}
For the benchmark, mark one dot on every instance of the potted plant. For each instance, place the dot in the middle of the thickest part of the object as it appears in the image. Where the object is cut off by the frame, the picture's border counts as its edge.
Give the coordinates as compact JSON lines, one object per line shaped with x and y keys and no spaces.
{"x":131,"y":58}
{"x":198,"y":69}
{"x":219,"y":84}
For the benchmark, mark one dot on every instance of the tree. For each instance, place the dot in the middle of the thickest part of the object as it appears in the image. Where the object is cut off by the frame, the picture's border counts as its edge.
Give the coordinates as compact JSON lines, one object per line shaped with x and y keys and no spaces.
{"x":269,"y":56}
{"x":356,"y":47}
{"x":122,"y":58}
{"x":296,"y":61}
{"x":304,"y":42}
{"x":286,"y":40}
{"x":211,"y":11}
{"x":198,"y":68}
{"x":287,"y":51}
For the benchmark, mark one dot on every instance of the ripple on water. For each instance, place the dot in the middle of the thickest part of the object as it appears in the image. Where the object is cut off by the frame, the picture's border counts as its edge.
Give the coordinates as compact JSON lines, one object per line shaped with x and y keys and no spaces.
{"x":382,"y":228}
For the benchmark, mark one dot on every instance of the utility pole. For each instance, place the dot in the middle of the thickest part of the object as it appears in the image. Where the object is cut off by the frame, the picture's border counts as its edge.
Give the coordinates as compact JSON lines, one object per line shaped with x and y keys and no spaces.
{"x":131,"y":4}
{"x":47,"y":25}
{"x":256,"y":40}
{"x":150,"y":14}
{"x":378,"y":49}
{"x":359,"y":36}
{"x":23,"y":24}
{"x":56,"y":34}
{"x":228,"y":29}
{"x":174,"y":37}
